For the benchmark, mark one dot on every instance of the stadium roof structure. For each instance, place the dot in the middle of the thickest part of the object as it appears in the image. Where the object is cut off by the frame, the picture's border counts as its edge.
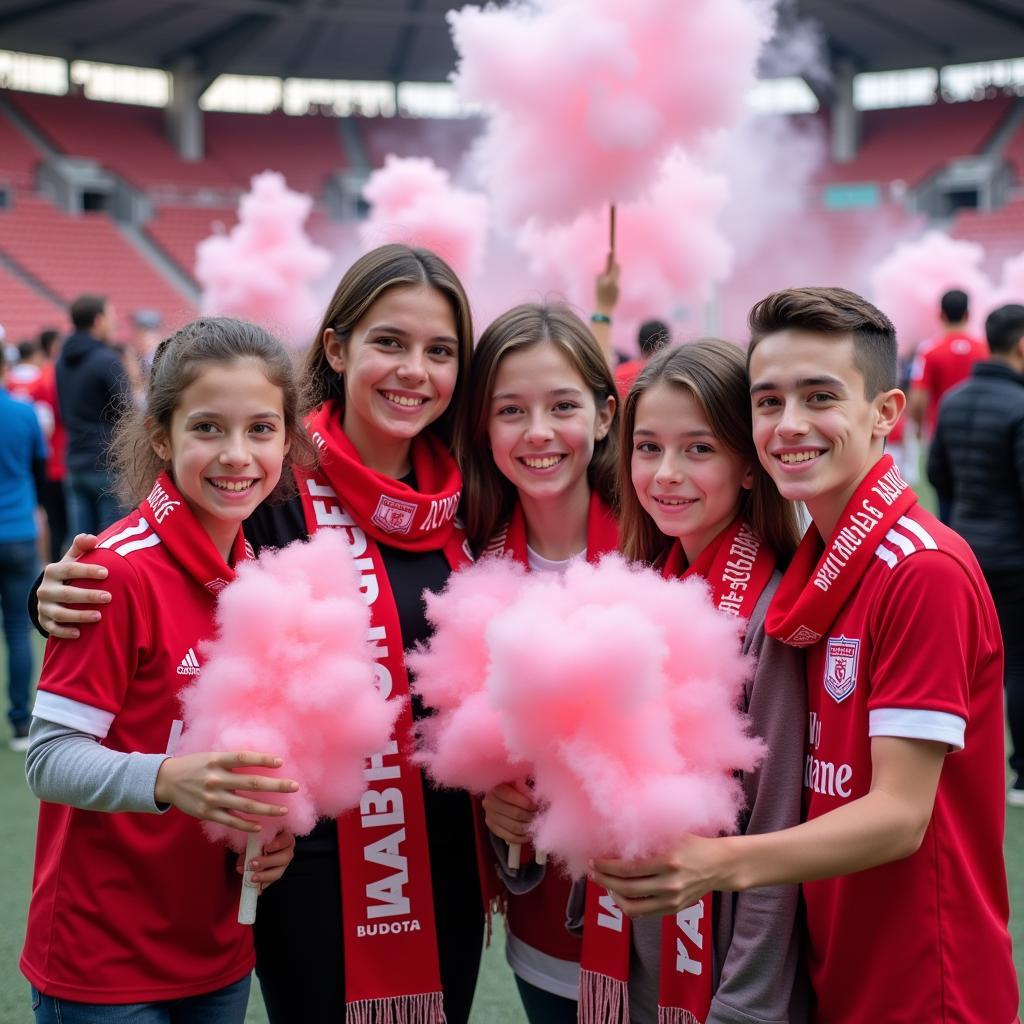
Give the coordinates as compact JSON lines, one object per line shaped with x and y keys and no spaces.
{"x":408,"y":40}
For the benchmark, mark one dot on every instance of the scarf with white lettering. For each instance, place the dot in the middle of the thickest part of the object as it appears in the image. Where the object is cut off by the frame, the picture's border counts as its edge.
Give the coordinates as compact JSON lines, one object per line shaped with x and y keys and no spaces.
{"x":820,"y":579}
{"x":737,"y":566}
{"x":166,"y":513}
{"x":538,"y":916}
{"x":387,"y":510}
{"x":392,"y":974}
{"x":602,"y":533}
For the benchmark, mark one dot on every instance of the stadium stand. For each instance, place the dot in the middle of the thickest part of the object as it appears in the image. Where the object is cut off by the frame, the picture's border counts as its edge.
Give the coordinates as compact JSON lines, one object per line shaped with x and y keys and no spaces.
{"x":445,"y":141}
{"x":87,"y":253}
{"x":306,"y":150}
{"x":125,"y":139}
{"x":912,"y":143}
{"x":18,"y":157}
{"x":1000,"y":233}
{"x":25,"y":312}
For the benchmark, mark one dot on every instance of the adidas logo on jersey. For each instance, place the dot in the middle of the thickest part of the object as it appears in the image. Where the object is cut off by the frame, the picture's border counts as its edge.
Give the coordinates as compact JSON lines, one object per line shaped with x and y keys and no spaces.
{"x":189,"y":664}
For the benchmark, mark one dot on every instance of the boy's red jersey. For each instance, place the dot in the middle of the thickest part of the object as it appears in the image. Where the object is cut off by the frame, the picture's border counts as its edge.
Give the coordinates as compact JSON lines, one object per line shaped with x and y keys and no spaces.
{"x":915,"y":652}
{"x":131,"y":907}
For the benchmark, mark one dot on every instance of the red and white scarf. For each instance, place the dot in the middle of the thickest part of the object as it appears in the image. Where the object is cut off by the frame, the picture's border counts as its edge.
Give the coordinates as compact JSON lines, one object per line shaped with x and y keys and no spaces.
{"x":390,"y":939}
{"x":602,"y":533}
{"x":821,"y":578}
{"x":171,"y":519}
{"x":737,"y":566}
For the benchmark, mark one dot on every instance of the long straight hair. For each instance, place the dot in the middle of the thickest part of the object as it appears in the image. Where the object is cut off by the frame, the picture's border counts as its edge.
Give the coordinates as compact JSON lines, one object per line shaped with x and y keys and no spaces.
{"x":488,"y":495}
{"x":383,"y":268}
{"x":713,"y":372}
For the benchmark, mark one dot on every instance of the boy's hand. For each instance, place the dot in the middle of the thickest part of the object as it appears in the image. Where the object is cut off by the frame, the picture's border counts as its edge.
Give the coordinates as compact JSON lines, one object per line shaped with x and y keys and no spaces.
{"x":660,"y":885}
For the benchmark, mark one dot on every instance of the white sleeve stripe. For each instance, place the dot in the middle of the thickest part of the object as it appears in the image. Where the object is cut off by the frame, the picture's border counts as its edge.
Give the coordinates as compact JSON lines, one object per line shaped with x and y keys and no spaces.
{"x":52,"y":707}
{"x":886,"y":556}
{"x":918,"y":724}
{"x":905,"y":544}
{"x":133,"y":531}
{"x":137,"y":545}
{"x":918,"y":531}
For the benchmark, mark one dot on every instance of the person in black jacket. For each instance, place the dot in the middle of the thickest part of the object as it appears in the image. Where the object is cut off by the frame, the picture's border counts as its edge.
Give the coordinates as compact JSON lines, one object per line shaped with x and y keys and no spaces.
{"x":92,"y":389}
{"x":977,"y":462}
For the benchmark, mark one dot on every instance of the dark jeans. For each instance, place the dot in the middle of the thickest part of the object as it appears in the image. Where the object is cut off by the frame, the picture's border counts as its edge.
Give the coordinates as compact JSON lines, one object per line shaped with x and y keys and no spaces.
{"x":223,"y":1006}
{"x":1008,"y":595}
{"x":92,"y":504}
{"x":18,"y":567}
{"x":55,"y":505}
{"x":545,"y":1007}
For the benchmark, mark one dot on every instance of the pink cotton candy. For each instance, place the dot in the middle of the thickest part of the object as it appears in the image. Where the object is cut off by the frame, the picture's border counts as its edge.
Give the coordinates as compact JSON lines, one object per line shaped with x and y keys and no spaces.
{"x":670,"y":246}
{"x":1011,"y":286}
{"x":462,"y":743}
{"x":618,"y":692}
{"x":586,"y":98}
{"x":291,"y":673}
{"x":265,"y":268}
{"x":413,"y":201}
{"x":909,"y":284}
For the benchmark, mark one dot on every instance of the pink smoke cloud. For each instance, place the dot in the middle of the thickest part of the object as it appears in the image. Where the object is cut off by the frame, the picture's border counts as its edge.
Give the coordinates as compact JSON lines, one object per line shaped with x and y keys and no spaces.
{"x":413,"y":201}
{"x":264,"y":269}
{"x":908,"y":284}
{"x":669,"y":244}
{"x":586,"y":98}
{"x":618,"y":690}
{"x":291,"y":673}
{"x":1011,"y":285}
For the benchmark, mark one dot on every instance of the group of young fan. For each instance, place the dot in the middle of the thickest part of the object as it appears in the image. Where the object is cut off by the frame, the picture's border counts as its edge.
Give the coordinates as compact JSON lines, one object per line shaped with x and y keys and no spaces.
{"x":877,"y":683}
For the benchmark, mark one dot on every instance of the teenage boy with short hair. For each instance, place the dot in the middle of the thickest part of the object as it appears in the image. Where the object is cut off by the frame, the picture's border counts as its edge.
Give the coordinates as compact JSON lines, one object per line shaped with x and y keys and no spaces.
{"x":902,"y":848}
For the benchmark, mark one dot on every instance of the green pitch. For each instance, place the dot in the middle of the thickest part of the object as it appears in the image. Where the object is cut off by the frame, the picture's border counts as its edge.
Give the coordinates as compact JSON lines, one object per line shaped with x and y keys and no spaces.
{"x":496,"y":998}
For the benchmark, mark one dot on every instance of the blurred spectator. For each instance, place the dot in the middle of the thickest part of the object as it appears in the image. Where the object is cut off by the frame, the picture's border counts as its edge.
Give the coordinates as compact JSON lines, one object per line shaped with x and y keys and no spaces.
{"x":92,"y":390}
{"x":652,"y":337}
{"x":976,"y":464}
{"x":42,"y":393}
{"x":138,"y":355}
{"x":22,"y":464}
{"x":941,"y":363}
{"x":26,"y":370}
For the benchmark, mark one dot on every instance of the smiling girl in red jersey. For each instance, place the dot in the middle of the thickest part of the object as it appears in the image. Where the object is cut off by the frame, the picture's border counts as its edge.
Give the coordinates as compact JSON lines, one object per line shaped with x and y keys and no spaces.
{"x":134,"y":914}
{"x":382,"y":916}
{"x":695,"y":502}
{"x":538,"y":445}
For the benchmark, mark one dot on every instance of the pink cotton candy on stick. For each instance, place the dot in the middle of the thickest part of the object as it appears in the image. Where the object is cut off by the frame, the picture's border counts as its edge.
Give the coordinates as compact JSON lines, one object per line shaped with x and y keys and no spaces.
{"x":908,"y":285}
{"x":670,"y":246}
{"x":585,"y":98}
{"x":590,"y":676}
{"x":291,"y":672}
{"x":413,"y":201}
{"x":264,"y":269}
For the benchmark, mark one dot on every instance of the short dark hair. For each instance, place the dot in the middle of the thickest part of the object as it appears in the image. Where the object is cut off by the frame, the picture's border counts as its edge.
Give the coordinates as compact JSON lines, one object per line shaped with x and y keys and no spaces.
{"x":836,"y":313}
{"x":954,"y":306}
{"x":85,"y":309}
{"x":47,"y":339}
{"x":27,"y":349}
{"x":653,"y":335}
{"x":1004,"y":328}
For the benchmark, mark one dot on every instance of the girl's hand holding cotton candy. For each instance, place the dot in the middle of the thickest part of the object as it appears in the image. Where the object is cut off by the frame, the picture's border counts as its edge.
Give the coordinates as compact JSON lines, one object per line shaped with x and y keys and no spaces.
{"x":615,"y":689}
{"x":292,"y":672}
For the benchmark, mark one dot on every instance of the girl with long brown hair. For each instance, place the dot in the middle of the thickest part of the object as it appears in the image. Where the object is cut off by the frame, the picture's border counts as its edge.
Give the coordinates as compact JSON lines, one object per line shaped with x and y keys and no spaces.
{"x":537,"y":443}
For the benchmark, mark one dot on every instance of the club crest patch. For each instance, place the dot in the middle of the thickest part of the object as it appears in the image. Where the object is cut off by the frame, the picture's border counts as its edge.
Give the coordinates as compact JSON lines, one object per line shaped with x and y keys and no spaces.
{"x":842,"y":656}
{"x":393,"y":516}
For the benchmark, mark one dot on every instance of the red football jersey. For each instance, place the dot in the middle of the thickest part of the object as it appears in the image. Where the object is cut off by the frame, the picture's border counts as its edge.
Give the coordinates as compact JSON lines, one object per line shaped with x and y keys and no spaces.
{"x":131,"y":907}
{"x":915,"y":652}
{"x":943,"y":363}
